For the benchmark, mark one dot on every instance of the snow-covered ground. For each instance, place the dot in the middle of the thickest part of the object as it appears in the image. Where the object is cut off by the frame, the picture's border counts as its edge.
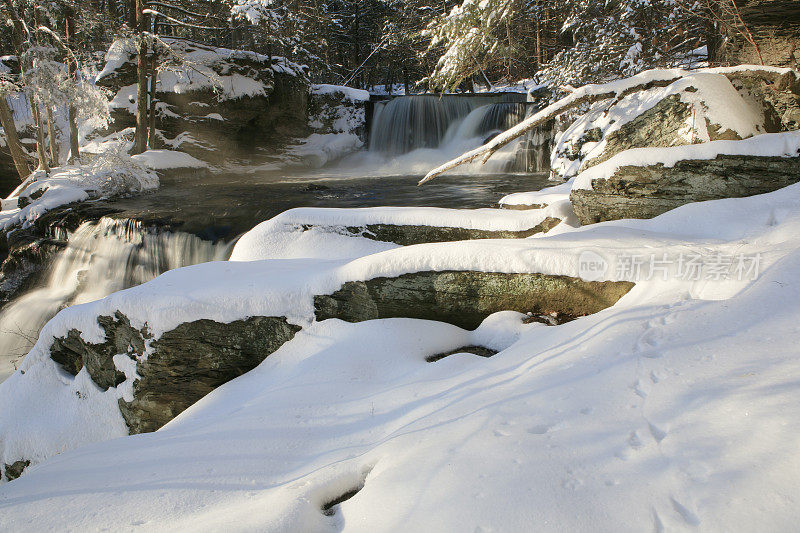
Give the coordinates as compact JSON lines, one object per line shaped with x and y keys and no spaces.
{"x":106,"y":176}
{"x":675,"y":409}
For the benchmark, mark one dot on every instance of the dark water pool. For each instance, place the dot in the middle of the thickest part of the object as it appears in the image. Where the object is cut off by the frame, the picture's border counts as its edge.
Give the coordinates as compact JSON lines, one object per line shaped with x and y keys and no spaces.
{"x":223,"y":205}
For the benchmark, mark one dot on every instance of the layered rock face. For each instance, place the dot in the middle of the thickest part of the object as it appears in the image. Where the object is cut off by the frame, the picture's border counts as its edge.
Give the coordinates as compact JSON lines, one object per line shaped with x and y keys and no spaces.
{"x":696,"y":110}
{"x":213,"y":103}
{"x":775,"y":29}
{"x":465,"y":298}
{"x":648,"y":191}
{"x":181,"y":366}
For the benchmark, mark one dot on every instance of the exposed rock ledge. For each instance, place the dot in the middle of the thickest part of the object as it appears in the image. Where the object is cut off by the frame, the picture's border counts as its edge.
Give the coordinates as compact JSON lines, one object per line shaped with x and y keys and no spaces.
{"x":465,"y":298}
{"x":186,"y":363}
{"x":182,"y":366}
{"x":648,"y":191}
{"x":408,"y":234}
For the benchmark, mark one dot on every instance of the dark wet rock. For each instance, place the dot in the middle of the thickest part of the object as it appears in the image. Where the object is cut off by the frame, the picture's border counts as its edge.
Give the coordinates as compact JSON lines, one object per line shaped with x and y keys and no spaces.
{"x":480,"y":351}
{"x":646,"y":192}
{"x":182,"y":366}
{"x":465,"y":298}
{"x":26,"y":265}
{"x":522,"y":207}
{"x":406,"y":235}
{"x":24,"y":201}
{"x":15,"y":469}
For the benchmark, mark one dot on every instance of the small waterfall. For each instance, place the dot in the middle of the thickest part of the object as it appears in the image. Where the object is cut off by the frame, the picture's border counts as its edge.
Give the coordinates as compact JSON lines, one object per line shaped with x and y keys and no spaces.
{"x":407,"y":123}
{"x":100,"y":258}
{"x":453,"y":124}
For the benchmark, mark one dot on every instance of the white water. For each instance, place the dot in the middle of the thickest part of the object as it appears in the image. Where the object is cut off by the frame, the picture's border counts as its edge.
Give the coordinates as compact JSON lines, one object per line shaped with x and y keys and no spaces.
{"x":411,"y":135}
{"x":100,"y":258}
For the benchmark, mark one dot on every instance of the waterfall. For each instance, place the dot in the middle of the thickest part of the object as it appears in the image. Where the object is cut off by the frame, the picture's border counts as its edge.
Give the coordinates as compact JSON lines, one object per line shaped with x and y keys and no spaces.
{"x":438,"y":128}
{"x":100,"y":258}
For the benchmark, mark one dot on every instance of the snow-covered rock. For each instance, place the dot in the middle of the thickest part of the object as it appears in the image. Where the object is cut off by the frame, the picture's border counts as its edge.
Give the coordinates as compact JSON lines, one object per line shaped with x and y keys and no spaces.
{"x":699,"y":107}
{"x":229,"y":102}
{"x":645,"y":182}
{"x":337,"y":119}
{"x":656,"y":413}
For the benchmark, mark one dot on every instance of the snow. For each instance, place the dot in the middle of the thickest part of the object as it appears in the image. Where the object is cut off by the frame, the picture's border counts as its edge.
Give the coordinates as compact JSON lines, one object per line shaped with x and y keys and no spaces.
{"x":546,"y":196}
{"x":674,"y":409}
{"x":765,"y":145}
{"x":332,"y":220}
{"x":167,"y":159}
{"x":105,"y":177}
{"x":318,"y":149}
{"x":712,"y":97}
{"x":208,"y":68}
{"x":352,"y":94}
{"x":120,"y":52}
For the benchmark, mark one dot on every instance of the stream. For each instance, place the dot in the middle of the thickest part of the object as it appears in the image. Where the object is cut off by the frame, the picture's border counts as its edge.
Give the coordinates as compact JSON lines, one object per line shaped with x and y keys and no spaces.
{"x":196,"y":216}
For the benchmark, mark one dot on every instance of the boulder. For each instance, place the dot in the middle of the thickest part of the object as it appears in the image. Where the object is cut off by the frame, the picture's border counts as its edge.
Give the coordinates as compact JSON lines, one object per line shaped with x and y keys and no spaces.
{"x":700,"y":107}
{"x":213,"y":103}
{"x":466,"y":298}
{"x":15,"y":469}
{"x":179,"y":368}
{"x":648,"y":191}
{"x":338,"y":109}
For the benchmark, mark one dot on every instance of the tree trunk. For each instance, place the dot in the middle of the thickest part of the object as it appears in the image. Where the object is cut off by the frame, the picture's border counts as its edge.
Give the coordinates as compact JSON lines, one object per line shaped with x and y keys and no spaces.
{"x":72,"y":68}
{"x":40,"y":151}
{"x":12,"y":139}
{"x":51,"y":136}
{"x":140,"y":136}
{"x":151,"y":136}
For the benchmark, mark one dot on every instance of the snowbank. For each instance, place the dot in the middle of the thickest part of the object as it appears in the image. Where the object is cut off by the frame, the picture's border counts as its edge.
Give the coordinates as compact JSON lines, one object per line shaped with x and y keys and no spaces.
{"x":765,"y":145}
{"x":201,"y":68}
{"x":167,"y":159}
{"x":657,"y":413}
{"x":318,"y":149}
{"x":546,"y":196}
{"x":350,"y":93}
{"x":108,"y":176}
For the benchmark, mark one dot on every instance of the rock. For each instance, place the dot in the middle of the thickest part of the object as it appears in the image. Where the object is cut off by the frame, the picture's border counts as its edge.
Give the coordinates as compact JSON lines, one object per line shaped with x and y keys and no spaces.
{"x":773,"y":25}
{"x":646,"y":192}
{"x":14,"y":470}
{"x":334,"y":109}
{"x":480,"y":351}
{"x":688,"y":114}
{"x":229,"y":104}
{"x":780,"y":105}
{"x":26,"y":264}
{"x":182,"y":365}
{"x":406,"y":235}
{"x":522,"y":207}
{"x":465,"y":298}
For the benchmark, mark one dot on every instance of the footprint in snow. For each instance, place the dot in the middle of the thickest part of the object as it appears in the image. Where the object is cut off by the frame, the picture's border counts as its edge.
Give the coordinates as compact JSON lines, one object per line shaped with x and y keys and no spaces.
{"x":685,"y":513}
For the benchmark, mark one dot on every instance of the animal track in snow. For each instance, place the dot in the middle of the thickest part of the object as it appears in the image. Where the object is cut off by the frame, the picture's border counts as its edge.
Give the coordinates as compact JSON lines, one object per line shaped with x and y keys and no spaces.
{"x":688,"y":516}
{"x":657,"y":433}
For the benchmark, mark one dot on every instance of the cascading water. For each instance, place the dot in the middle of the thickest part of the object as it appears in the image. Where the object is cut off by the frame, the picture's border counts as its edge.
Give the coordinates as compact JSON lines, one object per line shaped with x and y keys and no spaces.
{"x":100,"y":258}
{"x":424,"y":130}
